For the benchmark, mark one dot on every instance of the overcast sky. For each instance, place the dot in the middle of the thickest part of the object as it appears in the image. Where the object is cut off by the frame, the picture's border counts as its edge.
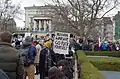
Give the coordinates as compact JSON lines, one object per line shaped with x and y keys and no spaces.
{"x":25,"y":3}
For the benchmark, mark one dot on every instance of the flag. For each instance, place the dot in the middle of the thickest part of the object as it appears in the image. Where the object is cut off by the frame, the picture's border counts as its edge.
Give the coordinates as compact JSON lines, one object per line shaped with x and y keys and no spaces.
{"x":99,"y":43}
{"x":28,"y":28}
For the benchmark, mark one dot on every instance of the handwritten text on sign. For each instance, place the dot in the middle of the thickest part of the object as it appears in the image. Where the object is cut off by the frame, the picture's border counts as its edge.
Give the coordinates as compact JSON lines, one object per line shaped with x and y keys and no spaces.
{"x":61,"y":42}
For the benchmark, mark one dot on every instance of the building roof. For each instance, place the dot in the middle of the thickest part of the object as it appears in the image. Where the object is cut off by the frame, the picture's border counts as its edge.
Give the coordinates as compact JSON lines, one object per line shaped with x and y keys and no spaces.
{"x":39,"y":7}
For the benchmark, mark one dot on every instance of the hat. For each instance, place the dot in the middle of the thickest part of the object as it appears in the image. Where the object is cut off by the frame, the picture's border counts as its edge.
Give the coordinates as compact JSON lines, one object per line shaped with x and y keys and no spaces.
{"x":53,"y":70}
{"x":27,"y":40}
{"x":47,"y":44}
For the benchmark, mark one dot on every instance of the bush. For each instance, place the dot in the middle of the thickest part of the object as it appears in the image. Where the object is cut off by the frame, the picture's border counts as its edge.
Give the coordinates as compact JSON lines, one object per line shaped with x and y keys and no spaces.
{"x":103,"y":53}
{"x":87,"y":70}
{"x":81,"y":57}
{"x":107,"y":64}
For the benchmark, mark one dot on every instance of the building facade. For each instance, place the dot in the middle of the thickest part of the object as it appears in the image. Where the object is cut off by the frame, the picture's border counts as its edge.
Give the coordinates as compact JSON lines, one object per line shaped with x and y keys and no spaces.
{"x":38,"y":19}
{"x":43,"y":20}
{"x":116,"y":21}
{"x":104,"y":29}
{"x":108,"y":30}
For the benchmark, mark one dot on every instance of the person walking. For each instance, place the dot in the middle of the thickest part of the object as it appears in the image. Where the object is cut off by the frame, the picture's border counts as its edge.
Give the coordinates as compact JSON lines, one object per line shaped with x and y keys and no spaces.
{"x":28,"y":53}
{"x":10,"y":62}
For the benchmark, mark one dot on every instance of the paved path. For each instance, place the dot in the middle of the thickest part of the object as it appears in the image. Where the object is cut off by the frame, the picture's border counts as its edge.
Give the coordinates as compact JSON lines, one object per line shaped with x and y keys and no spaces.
{"x":36,"y":77}
{"x":111,"y":74}
{"x":101,"y":56}
{"x":76,"y":70}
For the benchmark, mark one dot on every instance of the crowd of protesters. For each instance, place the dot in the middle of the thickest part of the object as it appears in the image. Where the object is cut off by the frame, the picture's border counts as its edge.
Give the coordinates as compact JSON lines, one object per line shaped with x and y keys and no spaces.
{"x":27,"y":57}
{"x":92,"y":45}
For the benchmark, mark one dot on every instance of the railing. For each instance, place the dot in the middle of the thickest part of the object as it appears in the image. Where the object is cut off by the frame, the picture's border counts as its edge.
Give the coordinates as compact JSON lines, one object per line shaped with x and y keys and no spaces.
{"x":32,"y":31}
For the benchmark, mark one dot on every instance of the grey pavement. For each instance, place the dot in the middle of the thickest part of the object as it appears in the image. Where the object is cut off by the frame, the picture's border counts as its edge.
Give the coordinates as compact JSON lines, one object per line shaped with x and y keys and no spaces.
{"x":76,"y":70}
{"x":111,"y":74}
{"x":101,"y":56}
{"x":36,"y":77}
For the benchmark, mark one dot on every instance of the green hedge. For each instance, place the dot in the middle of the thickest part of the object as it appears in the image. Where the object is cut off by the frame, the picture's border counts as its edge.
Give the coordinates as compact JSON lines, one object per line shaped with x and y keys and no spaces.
{"x":107,"y":64}
{"x":103,"y":53}
{"x":81,"y":57}
{"x":87,"y":70}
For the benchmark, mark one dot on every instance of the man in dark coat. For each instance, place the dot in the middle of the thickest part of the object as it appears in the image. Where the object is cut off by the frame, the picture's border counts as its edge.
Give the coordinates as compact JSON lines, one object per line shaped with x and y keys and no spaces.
{"x":46,"y":60}
{"x":10,"y":63}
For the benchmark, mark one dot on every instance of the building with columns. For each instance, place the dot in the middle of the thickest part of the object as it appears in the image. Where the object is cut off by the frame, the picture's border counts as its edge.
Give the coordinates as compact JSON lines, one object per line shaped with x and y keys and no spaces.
{"x":38,"y":19}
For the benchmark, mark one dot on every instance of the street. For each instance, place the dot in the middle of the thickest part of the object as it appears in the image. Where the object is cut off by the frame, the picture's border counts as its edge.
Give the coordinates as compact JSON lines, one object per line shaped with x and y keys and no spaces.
{"x":37,"y":77}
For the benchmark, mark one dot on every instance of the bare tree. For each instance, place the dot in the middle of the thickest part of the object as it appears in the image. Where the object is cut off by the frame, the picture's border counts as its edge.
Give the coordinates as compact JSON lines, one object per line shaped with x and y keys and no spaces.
{"x":8,"y":11}
{"x":81,"y":15}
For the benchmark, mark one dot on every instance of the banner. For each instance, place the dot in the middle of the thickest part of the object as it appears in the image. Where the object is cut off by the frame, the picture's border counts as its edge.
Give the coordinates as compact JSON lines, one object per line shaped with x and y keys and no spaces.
{"x":61,"y":43}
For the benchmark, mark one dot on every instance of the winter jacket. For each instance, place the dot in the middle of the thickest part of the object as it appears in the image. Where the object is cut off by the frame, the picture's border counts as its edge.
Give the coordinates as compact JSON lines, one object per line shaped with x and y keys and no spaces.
{"x":104,"y":46}
{"x":66,"y":68}
{"x":10,"y":62}
{"x":47,"y":58}
{"x":32,"y":52}
{"x":55,"y":73}
{"x":38,"y":48}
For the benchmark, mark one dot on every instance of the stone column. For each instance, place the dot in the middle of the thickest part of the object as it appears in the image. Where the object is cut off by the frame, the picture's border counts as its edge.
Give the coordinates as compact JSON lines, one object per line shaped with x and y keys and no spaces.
{"x":35,"y":25}
{"x":45,"y":25}
{"x":50,"y":25}
{"x":40,"y":25}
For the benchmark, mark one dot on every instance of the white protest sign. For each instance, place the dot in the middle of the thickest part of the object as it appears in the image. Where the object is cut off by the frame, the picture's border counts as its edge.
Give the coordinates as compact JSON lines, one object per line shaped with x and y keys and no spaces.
{"x":61,"y":42}
{"x":27,"y":34}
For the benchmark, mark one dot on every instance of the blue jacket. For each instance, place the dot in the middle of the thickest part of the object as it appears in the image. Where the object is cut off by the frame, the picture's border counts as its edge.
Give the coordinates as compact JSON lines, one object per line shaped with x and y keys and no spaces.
{"x":104,"y":46}
{"x":32,"y":52}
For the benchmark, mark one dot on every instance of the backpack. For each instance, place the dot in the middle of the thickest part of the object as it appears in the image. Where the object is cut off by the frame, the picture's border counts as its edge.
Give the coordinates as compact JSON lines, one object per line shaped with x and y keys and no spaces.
{"x":25,"y":56}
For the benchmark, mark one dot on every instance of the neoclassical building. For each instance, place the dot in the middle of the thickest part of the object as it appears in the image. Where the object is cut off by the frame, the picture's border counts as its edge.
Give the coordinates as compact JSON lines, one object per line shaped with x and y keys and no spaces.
{"x":38,"y":19}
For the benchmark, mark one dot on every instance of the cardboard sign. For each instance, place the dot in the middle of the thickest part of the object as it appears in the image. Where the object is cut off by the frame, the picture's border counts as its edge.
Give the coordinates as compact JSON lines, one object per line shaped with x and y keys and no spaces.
{"x":61,"y":42}
{"x":27,"y":34}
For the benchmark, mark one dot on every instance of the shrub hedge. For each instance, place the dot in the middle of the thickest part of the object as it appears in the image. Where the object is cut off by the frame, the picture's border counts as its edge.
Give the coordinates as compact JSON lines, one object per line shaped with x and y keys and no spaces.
{"x":107,"y":64}
{"x":81,"y":57}
{"x":103,"y":53}
{"x":87,"y":70}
